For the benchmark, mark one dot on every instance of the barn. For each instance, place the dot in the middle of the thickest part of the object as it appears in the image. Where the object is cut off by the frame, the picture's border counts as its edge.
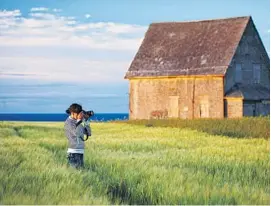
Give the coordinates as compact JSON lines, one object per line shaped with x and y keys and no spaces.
{"x":215,"y":68}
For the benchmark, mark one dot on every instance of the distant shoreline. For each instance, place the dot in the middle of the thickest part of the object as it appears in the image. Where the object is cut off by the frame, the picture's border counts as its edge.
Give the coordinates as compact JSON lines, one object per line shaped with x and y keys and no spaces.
{"x":59,"y":117}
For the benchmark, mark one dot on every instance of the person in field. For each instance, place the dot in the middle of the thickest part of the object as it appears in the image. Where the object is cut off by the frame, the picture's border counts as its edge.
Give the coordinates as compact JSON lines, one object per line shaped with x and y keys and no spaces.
{"x":75,"y":129}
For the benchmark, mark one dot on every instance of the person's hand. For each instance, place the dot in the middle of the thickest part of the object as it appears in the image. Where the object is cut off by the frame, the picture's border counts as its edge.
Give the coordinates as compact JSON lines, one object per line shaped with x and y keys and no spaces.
{"x":80,"y":116}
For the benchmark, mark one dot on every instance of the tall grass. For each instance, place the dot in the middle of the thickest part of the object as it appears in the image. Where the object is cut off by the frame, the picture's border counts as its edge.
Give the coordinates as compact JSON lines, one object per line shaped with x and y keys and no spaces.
{"x":247,"y":127}
{"x":131,"y":164}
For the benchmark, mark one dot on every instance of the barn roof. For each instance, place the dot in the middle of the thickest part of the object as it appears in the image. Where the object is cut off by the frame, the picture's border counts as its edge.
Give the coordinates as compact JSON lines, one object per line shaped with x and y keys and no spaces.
{"x":188,"y":48}
{"x":249,"y":92}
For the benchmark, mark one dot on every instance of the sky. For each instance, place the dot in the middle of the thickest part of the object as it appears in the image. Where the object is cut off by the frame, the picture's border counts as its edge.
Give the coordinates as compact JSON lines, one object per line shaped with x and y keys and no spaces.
{"x":57,"y":52}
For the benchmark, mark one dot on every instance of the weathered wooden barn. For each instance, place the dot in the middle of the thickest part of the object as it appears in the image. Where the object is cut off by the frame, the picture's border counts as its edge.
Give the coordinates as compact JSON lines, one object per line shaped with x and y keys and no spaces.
{"x":200,"y":69}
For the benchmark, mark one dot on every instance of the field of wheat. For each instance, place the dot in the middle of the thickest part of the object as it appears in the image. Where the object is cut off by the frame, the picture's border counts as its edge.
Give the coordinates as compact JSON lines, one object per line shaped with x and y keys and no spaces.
{"x":132,"y":164}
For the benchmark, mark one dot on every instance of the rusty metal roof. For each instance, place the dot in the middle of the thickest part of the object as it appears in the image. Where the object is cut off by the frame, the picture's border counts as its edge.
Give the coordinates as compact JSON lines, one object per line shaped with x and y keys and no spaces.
{"x":188,"y":48}
{"x":249,"y":92}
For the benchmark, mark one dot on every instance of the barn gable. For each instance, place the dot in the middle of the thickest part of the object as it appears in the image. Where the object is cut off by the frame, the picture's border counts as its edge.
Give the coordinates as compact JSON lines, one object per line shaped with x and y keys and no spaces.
{"x":249,"y":52}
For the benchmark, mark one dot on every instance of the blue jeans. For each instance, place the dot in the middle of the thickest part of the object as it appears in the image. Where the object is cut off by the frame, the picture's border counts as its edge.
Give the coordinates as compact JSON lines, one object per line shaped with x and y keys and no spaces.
{"x":75,"y":160}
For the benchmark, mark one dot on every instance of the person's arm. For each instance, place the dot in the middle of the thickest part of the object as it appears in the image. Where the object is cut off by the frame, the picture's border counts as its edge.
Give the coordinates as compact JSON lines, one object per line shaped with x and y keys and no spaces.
{"x":74,"y":132}
{"x":70,"y":129}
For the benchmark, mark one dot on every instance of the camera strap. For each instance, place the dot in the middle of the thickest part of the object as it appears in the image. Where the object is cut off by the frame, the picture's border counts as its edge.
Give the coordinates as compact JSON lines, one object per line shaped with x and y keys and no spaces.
{"x":77,"y":124}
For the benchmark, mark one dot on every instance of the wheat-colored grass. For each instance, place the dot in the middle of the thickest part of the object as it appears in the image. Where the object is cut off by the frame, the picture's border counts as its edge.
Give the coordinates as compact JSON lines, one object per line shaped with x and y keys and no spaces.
{"x":131,"y":164}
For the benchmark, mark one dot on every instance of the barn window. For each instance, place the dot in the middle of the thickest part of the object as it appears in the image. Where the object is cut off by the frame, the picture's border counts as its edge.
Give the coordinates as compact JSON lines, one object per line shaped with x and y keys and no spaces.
{"x":238,"y":74}
{"x":256,"y":73}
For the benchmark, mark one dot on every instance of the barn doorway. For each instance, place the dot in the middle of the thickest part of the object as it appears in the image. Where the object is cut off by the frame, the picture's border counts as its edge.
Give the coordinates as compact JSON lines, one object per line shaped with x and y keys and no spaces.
{"x":249,"y":109}
{"x":204,"y":107}
{"x":204,"y":110}
{"x":173,"y":107}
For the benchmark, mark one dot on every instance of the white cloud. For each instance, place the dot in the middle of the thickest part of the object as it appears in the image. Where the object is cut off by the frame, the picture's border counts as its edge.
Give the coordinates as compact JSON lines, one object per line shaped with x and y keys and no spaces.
{"x":75,"y":41}
{"x":39,"y":9}
{"x":71,"y":22}
{"x":57,"y":10}
{"x":43,"y":15}
{"x":87,"y":16}
{"x":14,"y":13}
{"x":41,"y":30}
{"x":70,"y":17}
{"x":48,"y":29}
{"x":124,"y":28}
{"x":63,"y":69}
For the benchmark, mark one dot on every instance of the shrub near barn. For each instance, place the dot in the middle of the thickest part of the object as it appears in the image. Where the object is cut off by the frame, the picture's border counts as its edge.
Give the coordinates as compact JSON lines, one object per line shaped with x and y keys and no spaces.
{"x":248,"y":127}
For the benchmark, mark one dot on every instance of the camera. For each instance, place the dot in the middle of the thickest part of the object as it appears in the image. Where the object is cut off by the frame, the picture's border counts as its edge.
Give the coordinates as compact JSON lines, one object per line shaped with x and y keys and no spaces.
{"x":89,"y":113}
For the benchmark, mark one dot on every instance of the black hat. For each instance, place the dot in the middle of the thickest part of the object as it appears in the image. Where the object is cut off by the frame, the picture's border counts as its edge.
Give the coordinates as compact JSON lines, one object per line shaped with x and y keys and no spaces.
{"x":76,"y":108}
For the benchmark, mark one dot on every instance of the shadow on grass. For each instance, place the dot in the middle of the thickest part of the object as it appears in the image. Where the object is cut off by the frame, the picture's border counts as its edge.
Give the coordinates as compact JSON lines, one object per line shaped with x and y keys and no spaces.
{"x":57,"y":150}
{"x":18,"y":132}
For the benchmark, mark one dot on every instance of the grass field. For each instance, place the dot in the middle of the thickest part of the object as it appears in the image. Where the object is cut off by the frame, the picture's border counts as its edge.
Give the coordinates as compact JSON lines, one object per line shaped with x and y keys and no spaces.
{"x":132,"y":164}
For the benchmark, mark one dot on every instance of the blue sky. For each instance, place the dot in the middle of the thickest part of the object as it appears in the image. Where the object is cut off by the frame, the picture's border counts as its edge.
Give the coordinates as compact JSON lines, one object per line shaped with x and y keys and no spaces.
{"x":54,"y":53}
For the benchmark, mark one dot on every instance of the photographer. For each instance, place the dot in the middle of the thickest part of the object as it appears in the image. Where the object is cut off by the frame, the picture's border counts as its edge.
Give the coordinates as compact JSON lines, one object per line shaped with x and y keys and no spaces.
{"x":75,"y":131}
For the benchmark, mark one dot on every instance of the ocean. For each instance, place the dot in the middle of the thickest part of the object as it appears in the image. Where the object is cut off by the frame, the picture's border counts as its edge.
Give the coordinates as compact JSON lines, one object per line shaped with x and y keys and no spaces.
{"x":44,"y":117}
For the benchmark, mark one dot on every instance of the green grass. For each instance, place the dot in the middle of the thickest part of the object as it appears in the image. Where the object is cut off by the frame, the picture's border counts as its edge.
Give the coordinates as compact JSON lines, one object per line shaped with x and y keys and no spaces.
{"x":132,"y":164}
{"x":248,"y":127}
